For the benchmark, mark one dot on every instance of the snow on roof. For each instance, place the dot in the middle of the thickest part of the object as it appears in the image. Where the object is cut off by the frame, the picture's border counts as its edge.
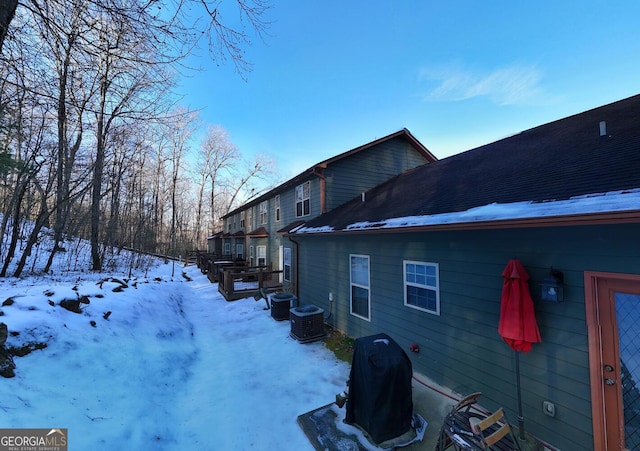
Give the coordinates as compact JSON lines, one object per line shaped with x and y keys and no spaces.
{"x":615,"y":201}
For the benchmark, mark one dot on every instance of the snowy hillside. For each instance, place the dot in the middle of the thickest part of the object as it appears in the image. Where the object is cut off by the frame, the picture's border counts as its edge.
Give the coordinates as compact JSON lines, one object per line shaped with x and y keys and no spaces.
{"x":173,"y":366}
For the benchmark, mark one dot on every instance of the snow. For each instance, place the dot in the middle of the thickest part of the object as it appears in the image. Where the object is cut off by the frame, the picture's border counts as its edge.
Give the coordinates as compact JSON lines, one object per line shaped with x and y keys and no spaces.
{"x":174,"y":366}
{"x":617,"y":201}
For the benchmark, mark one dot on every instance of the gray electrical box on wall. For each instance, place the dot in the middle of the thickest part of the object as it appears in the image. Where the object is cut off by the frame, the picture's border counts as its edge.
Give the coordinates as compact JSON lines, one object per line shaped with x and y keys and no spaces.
{"x":549,"y":408}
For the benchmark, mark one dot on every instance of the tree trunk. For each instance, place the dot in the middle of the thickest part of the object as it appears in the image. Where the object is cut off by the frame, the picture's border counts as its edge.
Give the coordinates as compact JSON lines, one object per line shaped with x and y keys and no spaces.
{"x":98,"y":169}
{"x":19,"y":195}
{"x":43,"y":217}
{"x":7,"y":11}
{"x":66,"y":154}
{"x":199,"y":203}
{"x":96,"y":257}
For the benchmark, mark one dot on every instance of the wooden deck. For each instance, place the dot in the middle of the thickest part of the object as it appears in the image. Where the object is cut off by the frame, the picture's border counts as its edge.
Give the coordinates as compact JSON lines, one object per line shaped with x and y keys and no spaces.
{"x":237,"y":282}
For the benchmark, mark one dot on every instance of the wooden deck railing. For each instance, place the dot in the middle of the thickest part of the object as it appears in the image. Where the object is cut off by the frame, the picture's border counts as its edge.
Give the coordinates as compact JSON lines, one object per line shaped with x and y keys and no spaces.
{"x":236,"y":282}
{"x":209,"y":264}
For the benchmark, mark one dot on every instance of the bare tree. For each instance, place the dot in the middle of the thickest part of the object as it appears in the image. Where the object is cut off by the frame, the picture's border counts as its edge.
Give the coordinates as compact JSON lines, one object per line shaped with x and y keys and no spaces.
{"x":130,"y":88}
{"x":178,"y":25}
{"x":80,"y":83}
{"x":65,"y":47}
{"x":179,"y":134}
{"x":160,"y":185}
{"x":216,"y":154}
{"x":251,"y":181}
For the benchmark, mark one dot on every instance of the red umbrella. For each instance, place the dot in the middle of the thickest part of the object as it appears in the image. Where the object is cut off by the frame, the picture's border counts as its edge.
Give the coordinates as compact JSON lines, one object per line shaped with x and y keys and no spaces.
{"x":518,"y":326}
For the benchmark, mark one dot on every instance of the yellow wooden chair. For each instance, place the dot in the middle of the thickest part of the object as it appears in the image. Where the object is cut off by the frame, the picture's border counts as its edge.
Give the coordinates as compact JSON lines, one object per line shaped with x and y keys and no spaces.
{"x":494,"y":432}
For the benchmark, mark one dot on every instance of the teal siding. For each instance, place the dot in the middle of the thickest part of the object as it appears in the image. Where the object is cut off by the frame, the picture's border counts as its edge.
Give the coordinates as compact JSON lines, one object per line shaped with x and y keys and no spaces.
{"x":351,"y":176}
{"x":287,"y":216}
{"x":461,"y":348}
{"x":344,"y":178}
{"x":288,"y":204}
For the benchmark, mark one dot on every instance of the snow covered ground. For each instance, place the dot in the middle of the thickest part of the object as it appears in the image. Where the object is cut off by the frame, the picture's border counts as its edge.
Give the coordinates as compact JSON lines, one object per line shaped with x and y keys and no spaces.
{"x":174,"y":366}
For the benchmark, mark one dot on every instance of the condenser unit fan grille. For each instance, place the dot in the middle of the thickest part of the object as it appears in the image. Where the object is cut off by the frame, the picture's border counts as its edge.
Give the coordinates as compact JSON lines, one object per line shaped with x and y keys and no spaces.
{"x":307,"y":323}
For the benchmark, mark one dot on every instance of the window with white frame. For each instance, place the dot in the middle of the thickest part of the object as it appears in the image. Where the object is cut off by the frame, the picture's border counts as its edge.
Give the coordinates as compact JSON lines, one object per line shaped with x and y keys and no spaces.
{"x":360,"y":290}
{"x":242,"y":219}
{"x":262,"y":255}
{"x":250,"y":219}
{"x":240,"y":251}
{"x":287,"y":264}
{"x":252,"y":256}
{"x":276,"y":202}
{"x":303,"y":195}
{"x":264,"y":210}
{"x":422,"y":286}
{"x":227,"y":248}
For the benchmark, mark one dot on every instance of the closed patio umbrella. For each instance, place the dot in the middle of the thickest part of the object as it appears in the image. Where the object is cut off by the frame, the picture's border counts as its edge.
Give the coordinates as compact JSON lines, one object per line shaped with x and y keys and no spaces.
{"x":517,"y":326}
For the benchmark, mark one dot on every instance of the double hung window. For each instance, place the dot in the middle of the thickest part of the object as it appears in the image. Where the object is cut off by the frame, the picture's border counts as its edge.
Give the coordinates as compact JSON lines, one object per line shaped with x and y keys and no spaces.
{"x":303,"y":195}
{"x":264,"y":210}
{"x":262,"y":255}
{"x":360,"y":288}
{"x":421,"y":286}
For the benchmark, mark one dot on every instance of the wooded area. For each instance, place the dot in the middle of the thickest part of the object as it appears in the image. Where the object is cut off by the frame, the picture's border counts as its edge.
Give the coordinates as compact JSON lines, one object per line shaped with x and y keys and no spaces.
{"x":92,"y":141}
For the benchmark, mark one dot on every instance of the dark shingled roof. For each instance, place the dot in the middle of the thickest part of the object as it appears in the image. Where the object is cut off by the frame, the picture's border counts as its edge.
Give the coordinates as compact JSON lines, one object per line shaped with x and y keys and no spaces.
{"x":554,"y":161}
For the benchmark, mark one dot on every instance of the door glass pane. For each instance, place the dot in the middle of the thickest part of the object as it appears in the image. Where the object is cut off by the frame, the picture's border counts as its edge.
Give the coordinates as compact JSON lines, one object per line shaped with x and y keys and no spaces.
{"x":627,"y":314}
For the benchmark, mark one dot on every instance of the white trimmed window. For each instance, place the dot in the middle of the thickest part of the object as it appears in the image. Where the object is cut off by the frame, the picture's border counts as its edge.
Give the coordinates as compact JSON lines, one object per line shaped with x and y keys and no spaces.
{"x":303,"y":195}
{"x":262,"y":255}
{"x":422,"y":286}
{"x":240,"y":251}
{"x":360,"y":289}
{"x":242,"y":219}
{"x":264,"y":210}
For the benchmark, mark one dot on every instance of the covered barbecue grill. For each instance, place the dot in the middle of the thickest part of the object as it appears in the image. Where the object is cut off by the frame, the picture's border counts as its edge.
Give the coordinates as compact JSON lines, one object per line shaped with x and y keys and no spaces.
{"x":380,"y":399}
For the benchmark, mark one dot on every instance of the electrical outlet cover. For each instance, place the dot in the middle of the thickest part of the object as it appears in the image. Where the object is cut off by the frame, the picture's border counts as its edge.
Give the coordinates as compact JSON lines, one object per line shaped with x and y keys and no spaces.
{"x":549,"y":408}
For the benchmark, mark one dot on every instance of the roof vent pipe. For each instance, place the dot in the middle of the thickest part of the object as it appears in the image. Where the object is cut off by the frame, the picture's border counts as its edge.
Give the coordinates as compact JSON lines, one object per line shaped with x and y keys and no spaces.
{"x":363,"y":196}
{"x":603,"y":128}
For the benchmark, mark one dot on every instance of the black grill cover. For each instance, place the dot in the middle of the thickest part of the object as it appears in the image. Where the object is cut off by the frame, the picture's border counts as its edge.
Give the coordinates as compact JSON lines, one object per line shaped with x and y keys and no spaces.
{"x":380,"y":399}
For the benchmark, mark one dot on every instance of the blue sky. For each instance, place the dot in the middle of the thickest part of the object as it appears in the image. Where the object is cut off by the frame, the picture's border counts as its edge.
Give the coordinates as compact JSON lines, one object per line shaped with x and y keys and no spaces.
{"x":333,"y":75}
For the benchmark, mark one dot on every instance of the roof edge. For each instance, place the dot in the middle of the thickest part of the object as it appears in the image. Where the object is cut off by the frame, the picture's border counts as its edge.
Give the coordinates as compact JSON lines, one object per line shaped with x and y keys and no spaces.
{"x":621,"y":217}
{"x":404,"y":132}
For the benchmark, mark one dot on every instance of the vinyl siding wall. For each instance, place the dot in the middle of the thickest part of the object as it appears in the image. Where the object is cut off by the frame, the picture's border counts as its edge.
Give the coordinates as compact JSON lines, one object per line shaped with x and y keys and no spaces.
{"x":287,"y":216}
{"x":461,"y":348}
{"x":349,"y":177}
{"x":288,"y":204}
{"x":345,"y":179}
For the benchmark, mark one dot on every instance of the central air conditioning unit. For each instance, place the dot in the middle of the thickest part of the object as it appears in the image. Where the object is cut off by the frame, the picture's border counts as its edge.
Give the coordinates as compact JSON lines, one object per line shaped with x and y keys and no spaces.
{"x":307,"y":323}
{"x":281,"y":303}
